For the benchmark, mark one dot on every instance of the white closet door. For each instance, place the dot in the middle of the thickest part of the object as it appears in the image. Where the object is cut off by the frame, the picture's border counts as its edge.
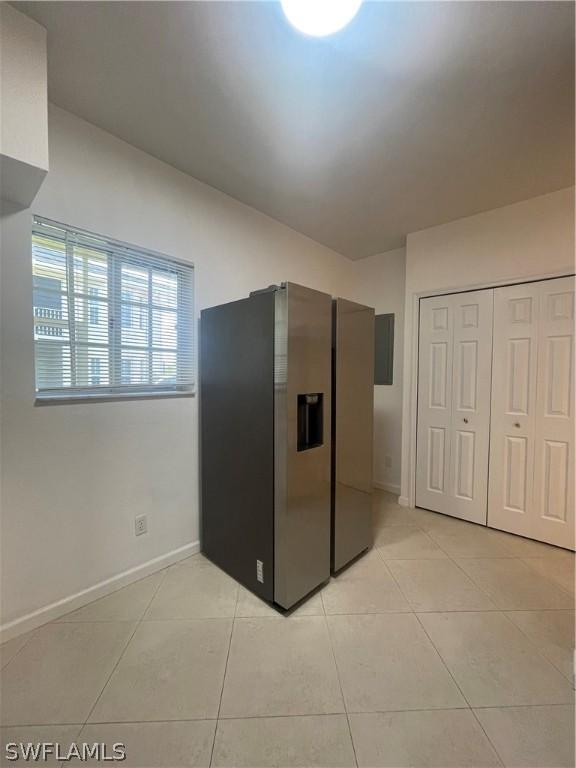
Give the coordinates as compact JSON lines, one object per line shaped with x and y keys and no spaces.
{"x":532,"y":428}
{"x":454,"y":404}
{"x":513,"y":421}
{"x":434,"y":403}
{"x":553,"y":515}
{"x":470,"y":431}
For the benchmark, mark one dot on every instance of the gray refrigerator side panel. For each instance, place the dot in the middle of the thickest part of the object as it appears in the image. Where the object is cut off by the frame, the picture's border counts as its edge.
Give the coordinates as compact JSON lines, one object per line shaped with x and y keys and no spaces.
{"x":302,"y":471}
{"x":353,"y":419}
{"x":237,"y":439}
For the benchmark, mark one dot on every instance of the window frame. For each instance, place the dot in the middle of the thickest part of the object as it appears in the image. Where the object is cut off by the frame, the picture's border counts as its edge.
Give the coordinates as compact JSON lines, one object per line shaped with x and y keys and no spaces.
{"x":118,"y":254}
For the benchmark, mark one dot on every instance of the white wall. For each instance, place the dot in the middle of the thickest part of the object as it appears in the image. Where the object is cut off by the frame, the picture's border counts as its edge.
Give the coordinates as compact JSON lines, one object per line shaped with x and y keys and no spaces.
{"x":74,"y":476}
{"x":23,"y":117}
{"x":518,"y":241}
{"x":531,"y":239}
{"x":381,"y":285}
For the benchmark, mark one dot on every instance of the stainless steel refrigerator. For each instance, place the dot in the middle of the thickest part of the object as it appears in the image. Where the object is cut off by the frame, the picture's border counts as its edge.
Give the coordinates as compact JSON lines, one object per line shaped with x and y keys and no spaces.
{"x":265,"y":374}
{"x":352,"y":420}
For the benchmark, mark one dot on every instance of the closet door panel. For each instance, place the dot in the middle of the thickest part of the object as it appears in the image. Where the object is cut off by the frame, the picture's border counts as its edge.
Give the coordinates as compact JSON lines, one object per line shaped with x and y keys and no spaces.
{"x":434,"y":402}
{"x":469,"y":438}
{"x":554,"y":445}
{"x":514,"y":365}
{"x":454,"y":404}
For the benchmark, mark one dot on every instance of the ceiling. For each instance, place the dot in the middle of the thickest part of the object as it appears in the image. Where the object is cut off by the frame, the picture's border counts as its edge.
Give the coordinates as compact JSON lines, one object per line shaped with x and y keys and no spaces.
{"x":416,"y":114}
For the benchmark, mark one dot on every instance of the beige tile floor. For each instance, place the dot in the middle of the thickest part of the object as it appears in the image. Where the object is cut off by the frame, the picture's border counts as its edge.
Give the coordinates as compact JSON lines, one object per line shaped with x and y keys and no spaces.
{"x":446,"y":645}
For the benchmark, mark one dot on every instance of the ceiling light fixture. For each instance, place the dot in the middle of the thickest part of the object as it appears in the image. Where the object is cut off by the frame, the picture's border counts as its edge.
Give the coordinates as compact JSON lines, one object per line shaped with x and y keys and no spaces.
{"x":320,"y":18}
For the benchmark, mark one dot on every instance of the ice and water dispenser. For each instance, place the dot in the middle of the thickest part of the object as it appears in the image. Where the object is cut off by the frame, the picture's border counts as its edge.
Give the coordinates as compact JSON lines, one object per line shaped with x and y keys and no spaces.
{"x":310,"y":421}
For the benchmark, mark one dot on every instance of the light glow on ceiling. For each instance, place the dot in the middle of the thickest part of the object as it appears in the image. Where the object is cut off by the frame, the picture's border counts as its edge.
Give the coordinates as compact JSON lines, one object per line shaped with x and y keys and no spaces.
{"x":320,"y":18}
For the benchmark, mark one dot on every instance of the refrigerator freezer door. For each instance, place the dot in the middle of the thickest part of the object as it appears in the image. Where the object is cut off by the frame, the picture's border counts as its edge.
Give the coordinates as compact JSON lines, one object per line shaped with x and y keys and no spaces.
{"x":302,"y":378}
{"x":353,"y":415}
{"x":237,"y":439}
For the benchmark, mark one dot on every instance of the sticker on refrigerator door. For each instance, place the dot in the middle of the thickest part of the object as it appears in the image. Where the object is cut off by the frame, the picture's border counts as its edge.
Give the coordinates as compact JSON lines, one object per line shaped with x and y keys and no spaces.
{"x":260,"y":571}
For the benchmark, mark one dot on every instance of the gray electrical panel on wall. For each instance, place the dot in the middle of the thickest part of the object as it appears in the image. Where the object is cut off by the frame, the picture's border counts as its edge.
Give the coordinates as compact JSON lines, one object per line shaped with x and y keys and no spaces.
{"x":384,"y":349}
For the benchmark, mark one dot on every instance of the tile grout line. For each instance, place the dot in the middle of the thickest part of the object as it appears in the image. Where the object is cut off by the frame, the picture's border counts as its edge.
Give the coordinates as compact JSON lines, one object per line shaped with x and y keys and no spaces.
{"x":508,"y":610}
{"x":498,"y":610}
{"x":462,"y":707}
{"x":537,"y":649}
{"x":532,"y":570}
{"x":137,"y":624}
{"x":426,"y":532}
{"x":24,"y":644}
{"x":550,"y":580}
{"x":456,"y":558}
{"x":224,"y":675}
{"x":432,"y":643}
{"x":473,"y":581}
{"x":470,"y":708}
{"x":120,"y":657}
{"x":163,"y":572}
{"x":285,"y":717}
{"x":458,"y":520}
{"x":305,"y":615}
{"x":485,"y":732}
{"x":327,"y":625}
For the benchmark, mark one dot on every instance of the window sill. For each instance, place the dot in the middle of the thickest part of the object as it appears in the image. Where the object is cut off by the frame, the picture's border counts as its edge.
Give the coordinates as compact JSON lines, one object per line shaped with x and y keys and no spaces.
{"x":106,"y":397}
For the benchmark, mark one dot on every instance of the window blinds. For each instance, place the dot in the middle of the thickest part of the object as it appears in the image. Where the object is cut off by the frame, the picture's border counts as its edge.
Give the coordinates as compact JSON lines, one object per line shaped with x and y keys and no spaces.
{"x":109,"y":319}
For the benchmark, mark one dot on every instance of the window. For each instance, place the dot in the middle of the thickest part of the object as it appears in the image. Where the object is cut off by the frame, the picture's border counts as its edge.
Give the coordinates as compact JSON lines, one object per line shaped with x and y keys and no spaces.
{"x":93,"y":307}
{"x":95,"y":371}
{"x":109,"y":319}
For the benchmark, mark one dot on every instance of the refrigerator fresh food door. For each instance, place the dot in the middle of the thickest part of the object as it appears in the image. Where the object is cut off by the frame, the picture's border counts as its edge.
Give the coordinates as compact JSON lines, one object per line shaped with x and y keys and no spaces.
{"x":302,"y":380}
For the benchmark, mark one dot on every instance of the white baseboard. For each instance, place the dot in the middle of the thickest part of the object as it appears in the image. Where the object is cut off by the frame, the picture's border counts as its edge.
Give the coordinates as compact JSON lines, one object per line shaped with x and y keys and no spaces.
{"x":390,"y":487}
{"x":403,"y":501}
{"x":61,"y":607}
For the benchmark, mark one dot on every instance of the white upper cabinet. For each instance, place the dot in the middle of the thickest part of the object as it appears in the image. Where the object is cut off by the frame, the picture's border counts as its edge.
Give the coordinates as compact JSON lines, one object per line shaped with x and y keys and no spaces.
{"x":24,"y":107}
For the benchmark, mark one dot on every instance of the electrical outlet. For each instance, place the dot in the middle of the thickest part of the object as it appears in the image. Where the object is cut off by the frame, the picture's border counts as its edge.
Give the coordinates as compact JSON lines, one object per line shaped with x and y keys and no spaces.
{"x":140,"y":525}
{"x":388,"y":461}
